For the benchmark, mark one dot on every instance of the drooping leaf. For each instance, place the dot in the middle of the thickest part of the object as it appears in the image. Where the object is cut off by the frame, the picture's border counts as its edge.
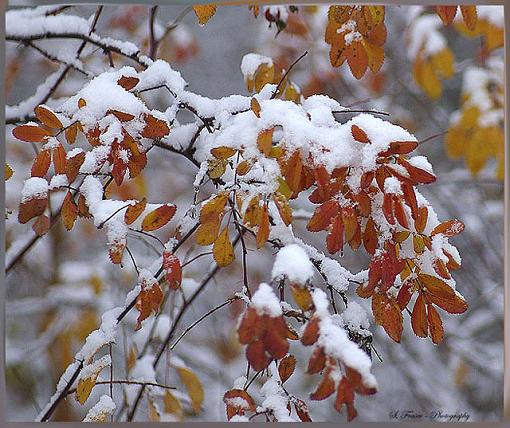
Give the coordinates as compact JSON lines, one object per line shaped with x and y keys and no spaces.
{"x":193,"y":386}
{"x":41,"y":164}
{"x":69,"y":211}
{"x":223,"y":250}
{"x":419,"y":317}
{"x":47,"y":117}
{"x":204,"y":12}
{"x":387,"y":313}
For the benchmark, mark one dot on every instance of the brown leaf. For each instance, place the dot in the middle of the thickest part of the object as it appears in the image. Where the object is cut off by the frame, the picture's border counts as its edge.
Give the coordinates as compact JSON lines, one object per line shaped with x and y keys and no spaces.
{"x":256,"y":355}
{"x":325,"y":388}
{"x":82,"y":103}
{"x":251,"y":327}
{"x":158,"y":218}
{"x":323,"y":215}
{"x":404,"y":295}
{"x":122,"y":116}
{"x":223,"y":250}
{"x":154,"y":128}
{"x":302,"y":410}
{"x":41,"y":225}
{"x":47,"y":117}
{"x":32,"y":208}
{"x":335,"y":237}
{"x":359,"y":135}
{"x":286,"y":367}
{"x":134,"y":211}
{"x":73,"y":166}
{"x":69,"y":211}
{"x":311,"y":332}
{"x":41,"y":164}
{"x":317,"y":361}
{"x":128,"y":82}
{"x":345,"y":395}
{"x":149,"y":299}
{"x":223,"y":152}
{"x":446,"y":13}
{"x":30,"y":133}
{"x":470,"y":16}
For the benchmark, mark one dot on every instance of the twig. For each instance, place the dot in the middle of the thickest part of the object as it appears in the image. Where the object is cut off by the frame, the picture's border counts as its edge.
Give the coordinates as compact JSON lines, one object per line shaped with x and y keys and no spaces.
{"x":228,"y":302}
{"x":286,"y":73}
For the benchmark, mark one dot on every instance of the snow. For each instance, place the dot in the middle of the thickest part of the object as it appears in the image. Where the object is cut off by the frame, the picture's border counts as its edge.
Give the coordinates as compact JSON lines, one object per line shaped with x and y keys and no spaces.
{"x":34,"y":188}
{"x":101,"y":410}
{"x":392,"y":185}
{"x":275,"y":398}
{"x":293,"y":262}
{"x":355,"y":318}
{"x":160,"y":73}
{"x":57,"y":181}
{"x":26,"y":107}
{"x":94,"y":368}
{"x":251,"y":62}
{"x":265,"y":301}
{"x":425,"y":33}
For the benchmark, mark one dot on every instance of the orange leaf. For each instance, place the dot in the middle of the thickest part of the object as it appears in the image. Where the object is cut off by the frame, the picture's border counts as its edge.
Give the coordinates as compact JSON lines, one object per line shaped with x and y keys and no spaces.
{"x":148,"y":300}
{"x":263,"y":230}
{"x":71,"y":132}
{"x":400,"y":213}
{"x":286,"y":367}
{"x":255,"y":106}
{"x":302,"y":410}
{"x":204,"y":12}
{"x":69,"y":211}
{"x":470,"y":16}
{"x":172,"y":269}
{"x":30,"y":133}
{"x":251,"y":327}
{"x":323,"y":215}
{"x":311,"y":333}
{"x":256,"y":355}
{"x":223,"y":152}
{"x":435,"y":325}
{"x":32,"y":208}
{"x":154,"y":128}
{"x":59,"y":159}
{"x":317,"y":361}
{"x":350,"y":220}
{"x":213,"y":208}
{"x":421,"y":219}
{"x":345,"y":395}
{"x":442,"y":295}
{"x":116,"y":250}
{"x":449,"y":228}
{"x":208,"y":231}
{"x":128,"y":82}
{"x":122,"y":116}
{"x":81,"y":103}
{"x":41,"y":225}
{"x":73,"y":166}
{"x":134,"y":211}
{"x":41,"y":164}
{"x":404,"y":295}
{"x":283,"y":206}
{"x":357,"y":59}
{"x":158,"y":218}
{"x":370,"y":239}
{"x":359,"y":135}
{"x":387,"y":313}
{"x":325,"y":388}
{"x":265,"y":141}
{"x":419,"y":317}
{"x":293,"y":171}
{"x":446,"y":13}
{"x":335,"y":238}
{"x":223,"y":250}
{"x":47,"y":117}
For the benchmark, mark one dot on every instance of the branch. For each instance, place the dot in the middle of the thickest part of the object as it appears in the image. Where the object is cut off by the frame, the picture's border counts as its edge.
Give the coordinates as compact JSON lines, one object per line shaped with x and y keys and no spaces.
{"x":286,"y":73}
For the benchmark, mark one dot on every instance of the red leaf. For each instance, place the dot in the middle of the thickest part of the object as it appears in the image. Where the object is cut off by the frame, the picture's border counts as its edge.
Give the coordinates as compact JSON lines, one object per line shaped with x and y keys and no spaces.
{"x":172,"y":269}
{"x":359,"y":135}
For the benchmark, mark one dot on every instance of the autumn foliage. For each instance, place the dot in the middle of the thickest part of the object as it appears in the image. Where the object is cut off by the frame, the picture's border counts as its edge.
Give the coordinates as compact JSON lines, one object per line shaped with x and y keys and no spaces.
{"x":262,"y":155}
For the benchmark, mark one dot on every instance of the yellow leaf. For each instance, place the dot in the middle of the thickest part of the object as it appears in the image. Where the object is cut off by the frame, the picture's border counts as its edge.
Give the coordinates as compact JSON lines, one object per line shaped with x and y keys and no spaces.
{"x":204,"y":12}
{"x":193,"y":386}
{"x":301,"y":296}
{"x":158,"y":218}
{"x":223,"y":152}
{"x":265,"y":141}
{"x":172,"y":405}
{"x":8,"y":171}
{"x":216,"y":167}
{"x":255,"y":106}
{"x":153,"y":411}
{"x":84,"y":388}
{"x":223,"y":250}
{"x":443,"y":62}
{"x":263,"y":75}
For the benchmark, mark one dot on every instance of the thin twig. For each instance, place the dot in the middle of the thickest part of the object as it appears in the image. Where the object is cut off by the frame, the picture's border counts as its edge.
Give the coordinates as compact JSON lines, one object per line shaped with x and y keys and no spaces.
{"x":305,"y":53}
